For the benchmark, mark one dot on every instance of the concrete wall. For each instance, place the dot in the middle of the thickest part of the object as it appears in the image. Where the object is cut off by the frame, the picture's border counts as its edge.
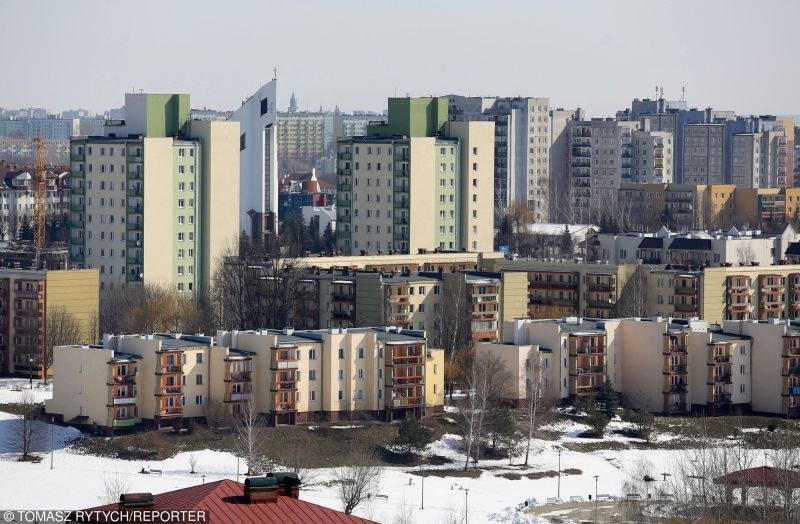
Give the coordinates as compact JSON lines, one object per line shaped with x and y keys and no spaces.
{"x":159,"y":202}
{"x":79,"y":388}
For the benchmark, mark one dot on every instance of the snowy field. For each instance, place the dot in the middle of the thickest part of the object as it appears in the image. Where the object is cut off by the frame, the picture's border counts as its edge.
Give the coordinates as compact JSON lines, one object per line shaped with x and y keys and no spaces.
{"x":78,"y":481}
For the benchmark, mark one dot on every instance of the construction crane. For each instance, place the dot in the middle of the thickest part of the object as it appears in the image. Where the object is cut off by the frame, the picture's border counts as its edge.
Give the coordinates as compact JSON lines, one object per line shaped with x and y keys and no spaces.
{"x":39,"y":199}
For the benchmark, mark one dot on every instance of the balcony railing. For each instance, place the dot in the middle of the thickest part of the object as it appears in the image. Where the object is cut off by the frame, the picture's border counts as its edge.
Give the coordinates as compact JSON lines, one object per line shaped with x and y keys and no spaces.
{"x":124,"y":400}
{"x":170,"y":368}
{"x":724,"y":378}
{"x":171,"y":390}
{"x":675,"y":388}
{"x":722,"y":398}
{"x":677,"y":369}
{"x":172,"y":411}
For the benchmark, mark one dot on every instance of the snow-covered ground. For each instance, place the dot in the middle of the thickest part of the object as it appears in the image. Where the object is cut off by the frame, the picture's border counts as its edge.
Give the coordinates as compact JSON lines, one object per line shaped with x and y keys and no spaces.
{"x":78,"y":481}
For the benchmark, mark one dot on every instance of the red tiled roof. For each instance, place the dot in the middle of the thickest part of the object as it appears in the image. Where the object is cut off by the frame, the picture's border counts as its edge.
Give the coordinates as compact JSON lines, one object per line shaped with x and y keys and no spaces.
{"x":761,"y":476}
{"x":225,"y":503}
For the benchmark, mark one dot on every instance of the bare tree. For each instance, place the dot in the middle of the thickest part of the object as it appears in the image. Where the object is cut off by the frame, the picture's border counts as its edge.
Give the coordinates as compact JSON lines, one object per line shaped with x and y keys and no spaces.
{"x":192,"y":462}
{"x":294,"y":456}
{"x":538,"y":401}
{"x":633,"y":297}
{"x":487,"y":386}
{"x":61,"y":329}
{"x":248,"y":438}
{"x":356,"y":481}
{"x":113,"y":488}
{"x":27,"y":431}
{"x":453,"y":327}
{"x":745,"y":254}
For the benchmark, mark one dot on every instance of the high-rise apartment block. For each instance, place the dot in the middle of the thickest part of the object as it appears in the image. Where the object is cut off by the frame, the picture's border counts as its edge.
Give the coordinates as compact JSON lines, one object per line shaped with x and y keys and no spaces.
{"x":416,"y":183}
{"x":157,"y":198}
{"x":258,"y":162}
{"x":288,"y":376}
{"x":522,"y":147}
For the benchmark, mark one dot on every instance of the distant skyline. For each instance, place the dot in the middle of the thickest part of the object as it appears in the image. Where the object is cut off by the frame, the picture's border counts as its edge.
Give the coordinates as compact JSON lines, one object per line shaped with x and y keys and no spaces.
{"x":729,"y":54}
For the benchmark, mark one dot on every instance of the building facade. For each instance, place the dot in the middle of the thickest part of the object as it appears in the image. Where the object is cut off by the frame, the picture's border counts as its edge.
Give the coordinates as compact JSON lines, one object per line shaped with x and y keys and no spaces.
{"x":258,"y":162}
{"x":153,"y":200}
{"x":29,"y":299}
{"x":418,"y":161}
{"x":287,"y":376}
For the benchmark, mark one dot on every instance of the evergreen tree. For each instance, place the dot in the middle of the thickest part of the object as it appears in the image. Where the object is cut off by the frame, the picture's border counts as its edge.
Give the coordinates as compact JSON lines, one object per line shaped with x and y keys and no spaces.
{"x":329,"y":238}
{"x":412,"y":435}
{"x":608,"y":400}
{"x":26,"y":228}
{"x":567,"y":247}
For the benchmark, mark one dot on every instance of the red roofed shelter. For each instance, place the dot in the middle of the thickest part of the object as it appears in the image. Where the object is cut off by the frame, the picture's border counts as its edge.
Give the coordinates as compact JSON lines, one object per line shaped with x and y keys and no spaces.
{"x":261,"y":499}
{"x":784,"y":481}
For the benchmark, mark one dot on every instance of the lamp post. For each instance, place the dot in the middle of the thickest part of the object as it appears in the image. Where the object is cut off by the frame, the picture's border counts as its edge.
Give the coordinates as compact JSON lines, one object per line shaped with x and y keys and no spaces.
{"x":52,"y":447}
{"x":466,"y":506}
{"x":422,"y":500}
{"x":30,"y":372}
{"x":558,"y":493}
{"x":596,"y":477}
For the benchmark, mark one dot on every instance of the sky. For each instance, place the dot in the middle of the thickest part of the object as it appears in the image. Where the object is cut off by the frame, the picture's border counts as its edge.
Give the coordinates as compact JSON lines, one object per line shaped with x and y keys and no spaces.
{"x":729,"y":54}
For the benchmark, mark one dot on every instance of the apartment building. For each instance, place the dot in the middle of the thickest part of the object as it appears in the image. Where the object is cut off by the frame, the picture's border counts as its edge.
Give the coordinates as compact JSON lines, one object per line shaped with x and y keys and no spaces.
{"x":418,"y":160}
{"x":22,"y":151}
{"x":258,"y":161}
{"x":600,"y":160}
{"x":300,"y":136}
{"x":670,"y":366}
{"x":288,"y":376}
{"x":17,"y":196}
{"x":152,"y":200}
{"x":703,"y":153}
{"x":29,"y":299}
{"x":51,"y":128}
{"x":652,"y":156}
{"x":696,"y":248}
{"x":562,"y":287}
{"x":522,"y":141}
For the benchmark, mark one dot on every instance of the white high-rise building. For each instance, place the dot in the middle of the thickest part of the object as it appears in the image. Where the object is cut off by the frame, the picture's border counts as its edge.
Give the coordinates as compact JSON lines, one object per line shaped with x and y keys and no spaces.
{"x":258,"y":160}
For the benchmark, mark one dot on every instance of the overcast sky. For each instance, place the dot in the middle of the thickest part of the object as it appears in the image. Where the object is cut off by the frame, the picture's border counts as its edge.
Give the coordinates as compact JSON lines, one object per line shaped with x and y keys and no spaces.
{"x":739,"y":55}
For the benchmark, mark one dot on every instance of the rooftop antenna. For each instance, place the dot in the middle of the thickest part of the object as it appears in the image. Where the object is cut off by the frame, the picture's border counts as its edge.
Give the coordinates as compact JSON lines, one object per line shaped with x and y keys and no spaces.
{"x":274,"y":73}
{"x":656,"y":92}
{"x":662,"y":92}
{"x":683,"y":94}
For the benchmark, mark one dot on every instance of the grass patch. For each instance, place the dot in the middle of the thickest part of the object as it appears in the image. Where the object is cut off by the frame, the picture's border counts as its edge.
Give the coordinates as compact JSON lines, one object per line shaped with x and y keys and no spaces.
{"x":509,"y":476}
{"x":471,"y":473}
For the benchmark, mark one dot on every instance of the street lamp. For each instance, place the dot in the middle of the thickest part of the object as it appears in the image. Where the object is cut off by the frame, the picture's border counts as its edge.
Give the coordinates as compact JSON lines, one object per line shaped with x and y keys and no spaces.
{"x":596,"y":477}
{"x":466,"y":506}
{"x":30,"y":372}
{"x":52,"y":447}
{"x":558,"y":493}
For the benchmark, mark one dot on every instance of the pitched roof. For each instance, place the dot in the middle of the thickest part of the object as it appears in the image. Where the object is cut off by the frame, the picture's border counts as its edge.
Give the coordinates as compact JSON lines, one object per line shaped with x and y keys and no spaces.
{"x":761,"y":476}
{"x":793,"y":249}
{"x":696,"y":244}
{"x":651,"y":243}
{"x":224,"y":503}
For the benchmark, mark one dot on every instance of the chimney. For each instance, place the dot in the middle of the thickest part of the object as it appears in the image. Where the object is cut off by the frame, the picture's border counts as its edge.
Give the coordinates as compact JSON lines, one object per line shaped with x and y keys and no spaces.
{"x":288,"y":483}
{"x":136,"y":501}
{"x":261,"y":490}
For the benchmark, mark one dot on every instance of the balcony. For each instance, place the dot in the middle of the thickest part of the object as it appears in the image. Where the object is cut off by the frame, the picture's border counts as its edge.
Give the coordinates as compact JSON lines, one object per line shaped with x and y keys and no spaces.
{"x":791,"y":371}
{"x":124,"y":400}
{"x":239,"y":376}
{"x":686,"y":290}
{"x":344,"y":156}
{"x":685,"y":307}
{"x":170,"y":390}
{"x":170,"y":411}
{"x":341,"y":315}
{"x":679,"y":348}
{"x":589,"y":370}
{"x":588,"y":350}
{"x":724,"y":378}
{"x":343,"y":202}
{"x":740,"y":307}
{"x":720,"y":359}
{"x":129,"y":378}
{"x":722,"y":398}
{"x":134,"y":226}
{"x":344,"y":187}
{"x":600,"y":287}
{"x":552,"y":285}
{"x":286,"y":406}
{"x":601,"y":304}
{"x":675,"y":369}
{"x":238,"y":397}
{"x":167,"y":369}
{"x":675,"y":407}
{"x":134,"y":191}
{"x":675,"y":388}
{"x":78,"y":190}
{"x":401,"y":157}
{"x":405,"y":402}
{"x":400,"y":220}
{"x":342,"y":296}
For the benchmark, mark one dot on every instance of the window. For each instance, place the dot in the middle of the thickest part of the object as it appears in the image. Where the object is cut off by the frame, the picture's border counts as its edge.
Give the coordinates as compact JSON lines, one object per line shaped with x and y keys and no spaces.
{"x":198,"y":358}
{"x":380,"y":394}
{"x":360,"y":373}
{"x":341,"y":394}
{"x":264,"y":107}
{"x":313,"y":395}
{"x":360,"y":394}
{"x":181,"y":202}
{"x":198,"y":379}
{"x":360,"y":352}
{"x":341,"y":374}
{"x":380,"y":373}
{"x":242,"y":141}
{"x":742,"y":369}
{"x":341,"y":353}
{"x":312,"y":354}
{"x":312,"y":374}
{"x":198,"y":400}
